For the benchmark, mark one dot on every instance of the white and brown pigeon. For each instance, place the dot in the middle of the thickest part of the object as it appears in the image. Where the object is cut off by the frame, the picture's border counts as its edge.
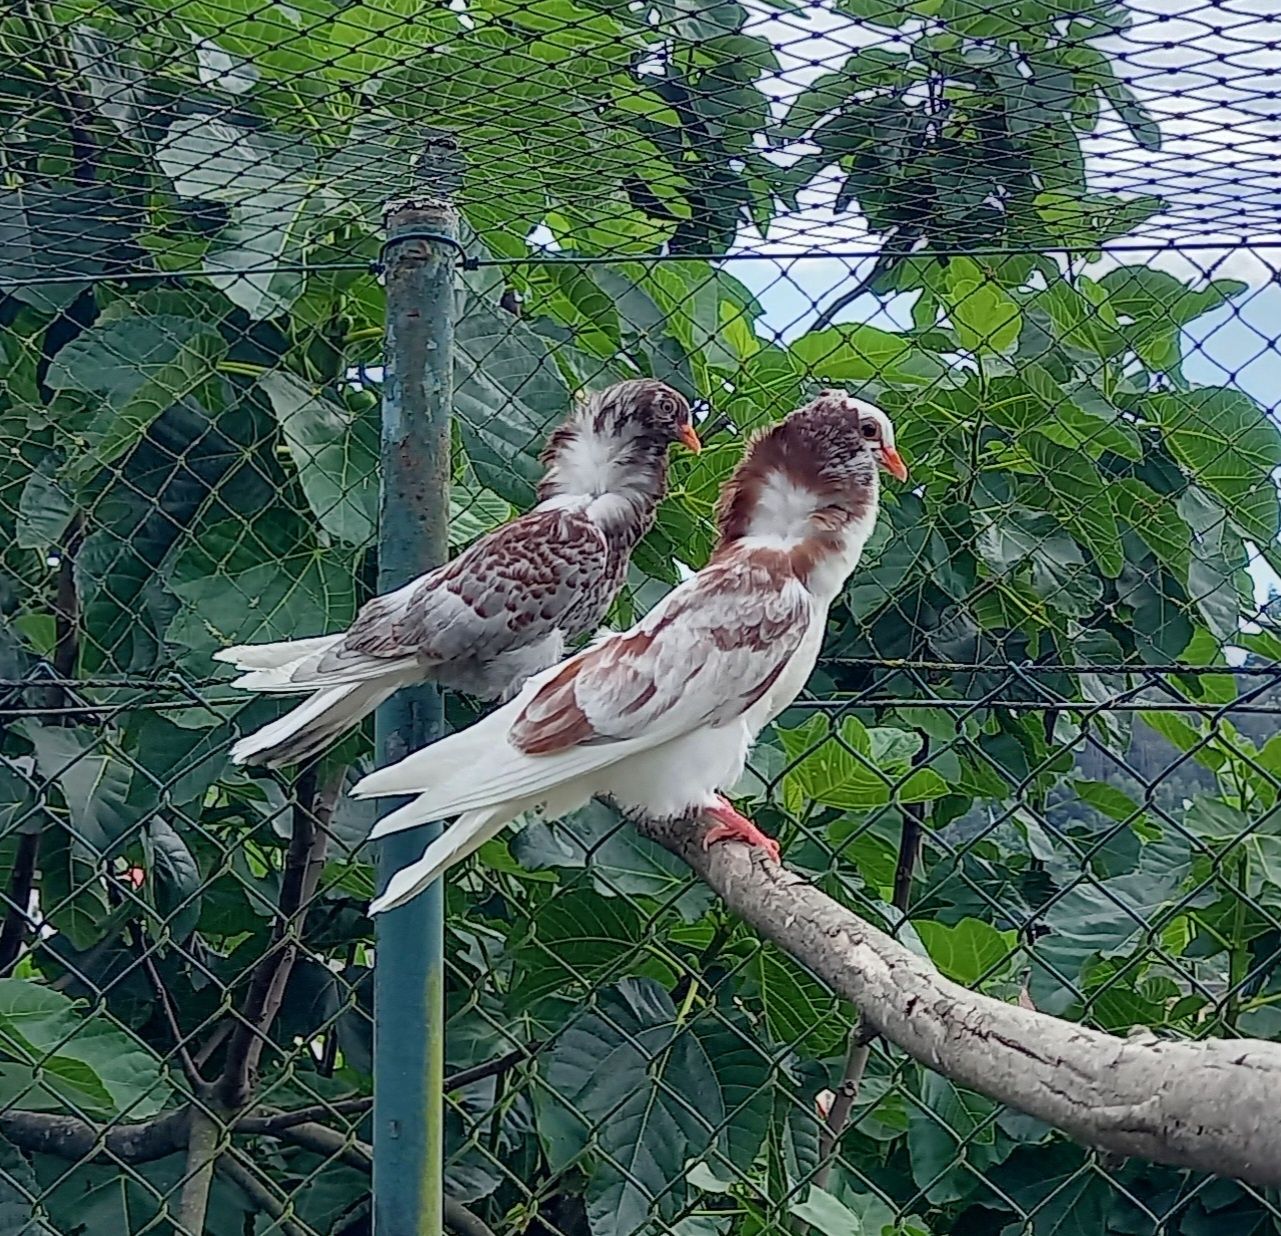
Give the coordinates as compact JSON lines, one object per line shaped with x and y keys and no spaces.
{"x":505,"y":607}
{"x":660,"y":718}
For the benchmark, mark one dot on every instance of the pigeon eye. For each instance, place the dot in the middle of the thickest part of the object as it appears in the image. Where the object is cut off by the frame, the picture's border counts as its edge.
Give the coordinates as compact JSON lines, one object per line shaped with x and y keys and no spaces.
{"x":869,"y":430}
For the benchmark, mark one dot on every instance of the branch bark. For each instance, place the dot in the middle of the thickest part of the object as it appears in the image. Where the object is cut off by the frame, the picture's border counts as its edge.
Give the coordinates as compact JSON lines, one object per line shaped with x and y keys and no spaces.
{"x":203,"y":1137}
{"x":1208,"y":1105}
{"x":242,"y":1175}
{"x":304,"y":862}
{"x":73,"y":1139}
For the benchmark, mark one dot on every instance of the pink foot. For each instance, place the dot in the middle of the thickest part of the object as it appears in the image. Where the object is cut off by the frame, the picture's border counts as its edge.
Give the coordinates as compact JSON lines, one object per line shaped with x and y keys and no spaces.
{"x":730,"y":826}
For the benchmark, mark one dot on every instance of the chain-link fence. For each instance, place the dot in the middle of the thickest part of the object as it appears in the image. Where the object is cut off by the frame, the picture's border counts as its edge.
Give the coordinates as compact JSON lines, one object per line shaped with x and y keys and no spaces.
{"x":1041,"y":747}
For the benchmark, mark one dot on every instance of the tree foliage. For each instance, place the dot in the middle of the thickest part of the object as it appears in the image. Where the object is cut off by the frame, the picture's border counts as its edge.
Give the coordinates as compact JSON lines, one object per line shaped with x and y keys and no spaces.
{"x":191,"y":330}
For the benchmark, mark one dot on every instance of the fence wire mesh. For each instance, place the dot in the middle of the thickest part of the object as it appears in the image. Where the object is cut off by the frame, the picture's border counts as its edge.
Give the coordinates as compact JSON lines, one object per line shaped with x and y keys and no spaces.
{"x":1042,"y":743}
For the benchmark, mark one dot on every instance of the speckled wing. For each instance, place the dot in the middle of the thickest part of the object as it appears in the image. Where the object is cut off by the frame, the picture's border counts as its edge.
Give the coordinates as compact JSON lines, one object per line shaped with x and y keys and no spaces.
{"x":547,"y":570}
{"x":701,"y":657}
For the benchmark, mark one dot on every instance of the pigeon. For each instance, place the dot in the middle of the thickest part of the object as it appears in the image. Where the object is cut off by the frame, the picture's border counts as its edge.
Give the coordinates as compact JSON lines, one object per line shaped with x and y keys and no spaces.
{"x":503,"y":609}
{"x":660,"y":718}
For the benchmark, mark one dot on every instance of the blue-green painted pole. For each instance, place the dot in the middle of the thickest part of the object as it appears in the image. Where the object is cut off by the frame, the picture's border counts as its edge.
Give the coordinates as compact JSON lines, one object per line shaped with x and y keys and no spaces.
{"x":409,"y":1032}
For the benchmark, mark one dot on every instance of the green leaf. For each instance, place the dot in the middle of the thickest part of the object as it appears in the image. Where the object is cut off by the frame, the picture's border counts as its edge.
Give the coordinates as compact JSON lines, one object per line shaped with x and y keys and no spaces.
{"x":799,"y":1013}
{"x":1074,"y":490}
{"x":44,"y":510}
{"x":106,"y":1068}
{"x":95,"y":784}
{"x":625,"y":1079}
{"x":508,"y":395}
{"x":842,"y":770}
{"x":986,"y":318}
{"x":1105,"y":797}
{"x":966,"y":951}
{"x":1102,"y":918}
{"x":580,"y":938}
{"x":620,"y":860}
{"x":949,"y":1137}
{"x":265,"y":179}
{"x":305,"y":595}
{"x":865,"y":353}
{"x":20,"y":1208}
{"x":820,"y":1209}
{"x":1230,"y":446}
{"x":56,"y":236}
{"x":176,"y":875}
{"x":1143,"y":128}
{"x":746,"y":1072}
{"x":134,"y":369}
{"x":1155,"y":520}
{"x":1059,"y":575}
{"x":335,"y":452}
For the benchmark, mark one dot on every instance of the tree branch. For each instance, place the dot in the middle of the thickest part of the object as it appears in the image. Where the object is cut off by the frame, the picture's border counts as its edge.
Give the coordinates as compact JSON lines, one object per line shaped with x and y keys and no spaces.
{"x":492,"y":1068}
{"x":277,"y":1122}
{"x":313,"y":811}
{"x":194,"y":1080}
{"x":1208,"y":1105}
{"x":461,"y":1221}
{"x":203,"y":1149}
{"x":331,"y":1144}
{"x":232,"y":1166}
{"x":73,"y":1139}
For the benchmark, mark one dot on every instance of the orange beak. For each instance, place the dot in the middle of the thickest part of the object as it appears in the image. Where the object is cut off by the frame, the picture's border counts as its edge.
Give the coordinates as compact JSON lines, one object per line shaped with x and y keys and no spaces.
{"x":690,"y":438}
{"x":893,"y":463}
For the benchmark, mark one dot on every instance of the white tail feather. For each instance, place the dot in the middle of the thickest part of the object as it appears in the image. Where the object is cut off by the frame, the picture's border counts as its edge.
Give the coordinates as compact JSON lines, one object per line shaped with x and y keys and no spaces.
{"x":465,"y":836}
{"x":313,"y":725}
{"x":272,"y":656}
{"x":301,"y":675}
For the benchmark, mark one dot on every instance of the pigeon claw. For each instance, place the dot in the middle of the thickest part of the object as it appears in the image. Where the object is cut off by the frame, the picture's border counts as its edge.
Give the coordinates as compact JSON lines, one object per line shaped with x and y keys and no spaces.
{"x":730,"y":826}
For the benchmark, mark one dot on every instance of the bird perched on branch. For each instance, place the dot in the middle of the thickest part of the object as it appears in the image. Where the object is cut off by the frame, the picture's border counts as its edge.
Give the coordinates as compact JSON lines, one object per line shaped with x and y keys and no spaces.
{"x":660,"y":718}
{"x":505,"y":607}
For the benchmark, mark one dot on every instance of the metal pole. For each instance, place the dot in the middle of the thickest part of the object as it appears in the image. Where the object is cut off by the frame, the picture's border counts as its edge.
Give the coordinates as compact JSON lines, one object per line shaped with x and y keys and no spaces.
{"x":409,"y":1031}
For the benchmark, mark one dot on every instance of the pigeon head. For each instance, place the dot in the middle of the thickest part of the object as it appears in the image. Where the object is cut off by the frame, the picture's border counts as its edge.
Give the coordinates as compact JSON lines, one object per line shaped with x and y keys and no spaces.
{"x":642,"y":410}
{"x":615,"y":442}
{"x":836,"y":438}
{"x":812,"y":473}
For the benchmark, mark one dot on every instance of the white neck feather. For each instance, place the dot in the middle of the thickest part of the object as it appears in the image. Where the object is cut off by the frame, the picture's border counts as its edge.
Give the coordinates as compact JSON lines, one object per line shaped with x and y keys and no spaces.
{"x":600,"y":472}
{"x":781,"y":519}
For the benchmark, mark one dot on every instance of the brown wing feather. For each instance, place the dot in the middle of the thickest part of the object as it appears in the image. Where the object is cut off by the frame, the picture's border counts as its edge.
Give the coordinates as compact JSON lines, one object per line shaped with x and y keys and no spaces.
{"x":710,"y":652}
{"x":546,"y":570}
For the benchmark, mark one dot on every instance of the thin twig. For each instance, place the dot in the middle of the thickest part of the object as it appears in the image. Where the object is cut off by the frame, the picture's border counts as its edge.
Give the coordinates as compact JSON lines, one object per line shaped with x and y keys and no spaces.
{"x":858,"y":1044}
{"x":895,"y":248}
{"x":313,"y":810}
{"x":277,"y":1122}
{"x":492,"y":1068}
{"x":190,"y":1071}
{"x":66,"y":612}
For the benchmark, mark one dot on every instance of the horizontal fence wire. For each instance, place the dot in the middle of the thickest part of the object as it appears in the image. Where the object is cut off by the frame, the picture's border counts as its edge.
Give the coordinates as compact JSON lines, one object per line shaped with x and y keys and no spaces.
{"x":1042,"y":744}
